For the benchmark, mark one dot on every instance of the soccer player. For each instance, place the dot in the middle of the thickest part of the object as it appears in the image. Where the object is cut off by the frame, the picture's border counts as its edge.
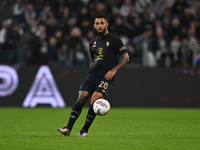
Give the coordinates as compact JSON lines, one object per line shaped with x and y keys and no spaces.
{"x":104,"y":51}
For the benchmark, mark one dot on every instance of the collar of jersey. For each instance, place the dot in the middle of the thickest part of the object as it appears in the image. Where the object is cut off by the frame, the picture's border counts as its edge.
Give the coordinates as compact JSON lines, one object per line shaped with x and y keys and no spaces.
{"x":104,"y":36}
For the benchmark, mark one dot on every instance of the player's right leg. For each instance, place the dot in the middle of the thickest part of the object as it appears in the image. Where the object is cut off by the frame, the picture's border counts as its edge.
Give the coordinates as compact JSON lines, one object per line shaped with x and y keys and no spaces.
{"x":76,"y":111}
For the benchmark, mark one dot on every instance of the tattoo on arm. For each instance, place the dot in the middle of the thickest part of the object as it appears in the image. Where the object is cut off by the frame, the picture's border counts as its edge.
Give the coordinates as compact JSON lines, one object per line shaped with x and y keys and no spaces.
{"x":123,"y":62}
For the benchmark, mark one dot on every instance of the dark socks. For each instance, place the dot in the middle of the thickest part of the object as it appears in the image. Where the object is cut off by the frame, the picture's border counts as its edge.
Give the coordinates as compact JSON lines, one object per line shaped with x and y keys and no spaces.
{"x":76,"y":111}
{"x":89,"y":119}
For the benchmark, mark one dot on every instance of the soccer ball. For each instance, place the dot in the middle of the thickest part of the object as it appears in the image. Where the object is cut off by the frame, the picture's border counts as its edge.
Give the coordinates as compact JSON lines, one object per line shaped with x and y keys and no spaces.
{"x":101,"y":107}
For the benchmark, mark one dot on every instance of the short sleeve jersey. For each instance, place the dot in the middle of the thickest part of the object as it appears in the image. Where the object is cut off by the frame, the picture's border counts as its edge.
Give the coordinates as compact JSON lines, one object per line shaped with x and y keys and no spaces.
{"x":104,"y":52}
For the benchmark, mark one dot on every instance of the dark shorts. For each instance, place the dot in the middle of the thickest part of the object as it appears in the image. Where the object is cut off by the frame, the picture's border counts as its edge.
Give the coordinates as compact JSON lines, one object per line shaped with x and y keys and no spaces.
{"x":101,"y":85}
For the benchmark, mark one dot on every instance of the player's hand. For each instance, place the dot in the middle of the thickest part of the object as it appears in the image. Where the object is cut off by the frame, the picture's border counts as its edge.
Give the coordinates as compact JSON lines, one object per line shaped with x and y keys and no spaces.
{"x":109,"y":75}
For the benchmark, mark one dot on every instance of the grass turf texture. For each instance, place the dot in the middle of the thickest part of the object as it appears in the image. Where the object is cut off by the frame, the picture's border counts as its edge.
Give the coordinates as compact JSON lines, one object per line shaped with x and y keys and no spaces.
{"x":121,"y":128}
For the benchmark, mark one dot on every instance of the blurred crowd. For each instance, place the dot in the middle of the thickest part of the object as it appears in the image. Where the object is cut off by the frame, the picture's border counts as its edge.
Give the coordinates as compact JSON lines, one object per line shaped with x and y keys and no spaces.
{"x":57,"y":32}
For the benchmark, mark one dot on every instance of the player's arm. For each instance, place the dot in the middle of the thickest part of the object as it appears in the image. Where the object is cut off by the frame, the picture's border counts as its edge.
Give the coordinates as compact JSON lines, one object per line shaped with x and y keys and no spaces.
{"x":125,"y":59}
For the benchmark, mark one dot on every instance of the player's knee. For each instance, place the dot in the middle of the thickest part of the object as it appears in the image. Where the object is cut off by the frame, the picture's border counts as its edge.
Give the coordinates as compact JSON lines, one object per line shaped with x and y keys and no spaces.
{"x":95,"y":97}
{"x":83,"y":97}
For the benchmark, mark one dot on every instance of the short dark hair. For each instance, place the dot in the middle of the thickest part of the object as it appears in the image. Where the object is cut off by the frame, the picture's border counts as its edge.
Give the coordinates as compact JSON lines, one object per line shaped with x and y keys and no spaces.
{"x":100,"y":15}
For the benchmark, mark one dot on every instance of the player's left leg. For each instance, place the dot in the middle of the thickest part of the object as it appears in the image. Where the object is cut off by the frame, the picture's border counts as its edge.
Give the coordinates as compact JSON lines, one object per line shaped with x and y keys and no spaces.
{"x":90,"y":115}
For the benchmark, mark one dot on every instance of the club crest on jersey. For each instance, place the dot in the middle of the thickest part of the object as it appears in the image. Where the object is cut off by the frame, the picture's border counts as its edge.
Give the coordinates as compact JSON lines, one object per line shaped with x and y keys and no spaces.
{"x":107,"y":43}
{"x":100,"y":50}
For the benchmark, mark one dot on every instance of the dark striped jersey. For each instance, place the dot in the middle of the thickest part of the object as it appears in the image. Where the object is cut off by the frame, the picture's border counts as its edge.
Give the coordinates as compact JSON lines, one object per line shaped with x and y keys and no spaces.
{"x":104,"y":52}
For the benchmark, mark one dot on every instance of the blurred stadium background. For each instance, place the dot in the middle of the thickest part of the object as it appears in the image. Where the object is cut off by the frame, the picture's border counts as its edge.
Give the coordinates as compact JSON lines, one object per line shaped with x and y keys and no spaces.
{"x":44,"y":51}
{"x":44,"y":58}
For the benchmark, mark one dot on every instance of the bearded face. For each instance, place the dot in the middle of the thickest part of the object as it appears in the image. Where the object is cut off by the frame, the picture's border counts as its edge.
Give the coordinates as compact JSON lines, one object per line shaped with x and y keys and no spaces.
{"x":101,"y":25}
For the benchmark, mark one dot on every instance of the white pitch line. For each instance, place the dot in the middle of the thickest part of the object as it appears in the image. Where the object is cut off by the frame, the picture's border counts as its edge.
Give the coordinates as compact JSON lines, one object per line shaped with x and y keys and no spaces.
{"x":129,"y":133}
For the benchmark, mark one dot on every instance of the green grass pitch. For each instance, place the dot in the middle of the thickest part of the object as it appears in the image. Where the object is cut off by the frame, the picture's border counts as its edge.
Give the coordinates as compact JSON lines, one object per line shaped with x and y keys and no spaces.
{"x":120,"y":129}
